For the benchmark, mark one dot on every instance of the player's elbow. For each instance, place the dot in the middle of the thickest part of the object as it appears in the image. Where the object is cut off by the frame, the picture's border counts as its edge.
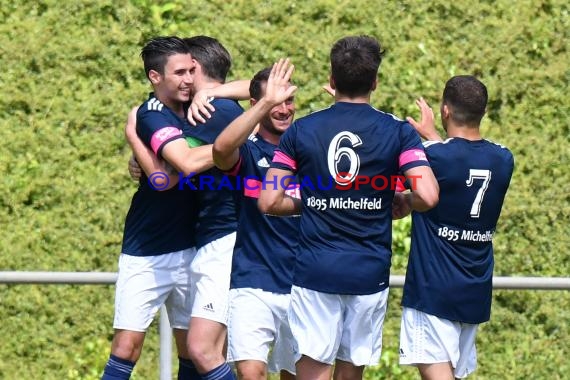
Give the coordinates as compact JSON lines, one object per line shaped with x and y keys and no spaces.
{"x":219,"y":156}
{"x":172,"y":182}
{"x":428,"y":198}
{"x":431,"y":200}
{"x":266,"y":202}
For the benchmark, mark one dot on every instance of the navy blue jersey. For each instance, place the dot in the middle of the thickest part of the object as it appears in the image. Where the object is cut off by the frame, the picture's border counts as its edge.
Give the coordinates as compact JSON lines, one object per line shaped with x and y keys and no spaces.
{"x":216,"y":216}
{"x":347,"y":158}
{"x":450,"y":267}
{"x":159,"y":222}
{"x":264,"y":255}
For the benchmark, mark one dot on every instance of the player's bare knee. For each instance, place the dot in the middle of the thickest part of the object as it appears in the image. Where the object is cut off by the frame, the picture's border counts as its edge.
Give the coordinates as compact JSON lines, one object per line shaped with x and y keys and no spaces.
{"x":127,"y":349}
{"x":251,"y":370}
{"x":203,"y":352}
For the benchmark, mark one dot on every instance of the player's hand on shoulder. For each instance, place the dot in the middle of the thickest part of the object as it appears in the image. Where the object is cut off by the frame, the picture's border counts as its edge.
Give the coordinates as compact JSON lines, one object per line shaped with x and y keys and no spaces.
{"x":426,"y":126}
{"x":200,"y":107}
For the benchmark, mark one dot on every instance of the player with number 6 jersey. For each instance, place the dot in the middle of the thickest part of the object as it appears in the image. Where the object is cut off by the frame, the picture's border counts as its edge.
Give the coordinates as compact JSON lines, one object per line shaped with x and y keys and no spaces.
{"x":342,"y":267}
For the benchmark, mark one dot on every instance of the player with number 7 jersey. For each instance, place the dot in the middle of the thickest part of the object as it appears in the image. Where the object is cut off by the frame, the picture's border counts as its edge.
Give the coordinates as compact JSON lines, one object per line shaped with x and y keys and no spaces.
{"x":448,"y":287}
{"x":473,"y":177}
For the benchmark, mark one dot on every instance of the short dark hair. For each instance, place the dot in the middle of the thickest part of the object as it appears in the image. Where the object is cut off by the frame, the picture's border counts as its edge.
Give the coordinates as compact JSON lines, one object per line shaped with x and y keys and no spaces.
{"x":212,"y":56}
{"x":156,"y":52}
{"x":256,"y":84}
{"x":354,"y":64}
{"x":467,"y":98}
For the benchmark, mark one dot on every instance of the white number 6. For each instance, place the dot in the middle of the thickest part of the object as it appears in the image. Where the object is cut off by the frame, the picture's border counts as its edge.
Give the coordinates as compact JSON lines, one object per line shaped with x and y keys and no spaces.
{"x":336,"y":153}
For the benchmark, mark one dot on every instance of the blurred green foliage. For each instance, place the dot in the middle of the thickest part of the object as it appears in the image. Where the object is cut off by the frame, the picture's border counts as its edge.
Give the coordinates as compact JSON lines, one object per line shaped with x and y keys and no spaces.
{"x":71,"y":71}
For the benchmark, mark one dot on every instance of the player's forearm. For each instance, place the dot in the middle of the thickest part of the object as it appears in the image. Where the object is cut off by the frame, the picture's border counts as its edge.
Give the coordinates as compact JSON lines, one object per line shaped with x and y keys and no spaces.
{"x":196,"y":160}
{"x":417,"y":203}
{"x":425,"y":189}
{"x":238,"y":89}
{"x":278,"y":204}
{"x":423,"y":198}
{"x":226,"y":146}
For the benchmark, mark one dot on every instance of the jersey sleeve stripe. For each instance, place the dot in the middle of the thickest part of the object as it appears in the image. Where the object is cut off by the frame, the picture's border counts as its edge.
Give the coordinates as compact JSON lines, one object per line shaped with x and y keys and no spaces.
{"x":411,"y":156}
{"x":234,"y":170}
{"x":252,"y":188}
{"x":162,"y":136}
{"x":282,"y":158}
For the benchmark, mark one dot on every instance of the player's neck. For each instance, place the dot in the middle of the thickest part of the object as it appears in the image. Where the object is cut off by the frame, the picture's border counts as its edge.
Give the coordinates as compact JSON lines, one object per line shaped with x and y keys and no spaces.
{"x":464,"y":132}
{"x":350,"y":99}
{"x":175,"y":106}
{"x":271,"y":138}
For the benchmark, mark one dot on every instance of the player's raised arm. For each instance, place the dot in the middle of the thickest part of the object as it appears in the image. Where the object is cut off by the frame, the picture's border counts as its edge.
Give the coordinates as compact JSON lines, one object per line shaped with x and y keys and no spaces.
{"x":426,"y":126}
{"x":226,"y":146}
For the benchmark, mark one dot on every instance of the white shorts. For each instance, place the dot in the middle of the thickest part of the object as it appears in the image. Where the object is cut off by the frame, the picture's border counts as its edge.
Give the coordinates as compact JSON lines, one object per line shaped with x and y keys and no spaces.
{"x":338,"y":326}
{"x":427,"y":339}
{"x":145,"y":283}
{"x":211,"y":279}
{"x":258,"y":322}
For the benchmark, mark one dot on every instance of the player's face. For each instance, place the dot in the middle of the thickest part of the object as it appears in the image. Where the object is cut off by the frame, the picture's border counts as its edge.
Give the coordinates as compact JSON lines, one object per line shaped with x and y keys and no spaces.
{"x":280,"y":117}
{"x":177,"y":79}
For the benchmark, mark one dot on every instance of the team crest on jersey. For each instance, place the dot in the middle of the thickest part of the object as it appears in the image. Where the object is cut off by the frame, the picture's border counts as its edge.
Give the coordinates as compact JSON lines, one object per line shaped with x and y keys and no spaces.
{"x":154,"y":105}
{"x":263,"y":163}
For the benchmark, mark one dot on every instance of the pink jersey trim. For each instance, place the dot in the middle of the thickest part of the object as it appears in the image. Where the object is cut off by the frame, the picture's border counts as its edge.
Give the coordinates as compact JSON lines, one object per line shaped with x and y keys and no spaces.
{"x":235,"y":169}
{"x":282,"y":158}
{"x":411,"y":156}
{"x":162,"y":135}
{"x":252,"y":188}
{"x":293,"y":190}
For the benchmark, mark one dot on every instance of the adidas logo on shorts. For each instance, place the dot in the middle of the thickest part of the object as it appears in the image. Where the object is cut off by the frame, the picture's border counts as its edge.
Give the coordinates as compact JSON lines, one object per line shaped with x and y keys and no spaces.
{"x":208,"y":307}
{"x":402,"y":355}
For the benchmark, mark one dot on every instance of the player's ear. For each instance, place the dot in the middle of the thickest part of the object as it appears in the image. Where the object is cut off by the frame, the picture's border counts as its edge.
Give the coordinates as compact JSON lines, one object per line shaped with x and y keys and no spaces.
{"x":331,"y":82}
{"x":445,"y":111}
{"x":197,"y":65}
{"x":252,"y":101}
{"x":154,"y":76}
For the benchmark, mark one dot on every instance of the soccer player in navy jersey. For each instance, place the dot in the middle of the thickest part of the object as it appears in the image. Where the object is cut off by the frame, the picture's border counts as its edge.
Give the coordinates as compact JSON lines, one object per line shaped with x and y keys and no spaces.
{"x":216,"y":222}
{"x":447,"y":292}
{"x":158,"y":240}
{"x":346,"y":158}
{"x":265,"y":247}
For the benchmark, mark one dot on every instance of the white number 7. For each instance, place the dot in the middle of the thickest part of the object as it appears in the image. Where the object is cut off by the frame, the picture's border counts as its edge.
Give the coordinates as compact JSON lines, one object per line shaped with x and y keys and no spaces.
{"x":474,"y":174}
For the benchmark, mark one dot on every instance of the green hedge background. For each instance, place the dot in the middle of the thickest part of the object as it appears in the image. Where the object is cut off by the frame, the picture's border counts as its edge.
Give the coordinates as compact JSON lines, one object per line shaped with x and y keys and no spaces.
{"x":70,"y":71}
